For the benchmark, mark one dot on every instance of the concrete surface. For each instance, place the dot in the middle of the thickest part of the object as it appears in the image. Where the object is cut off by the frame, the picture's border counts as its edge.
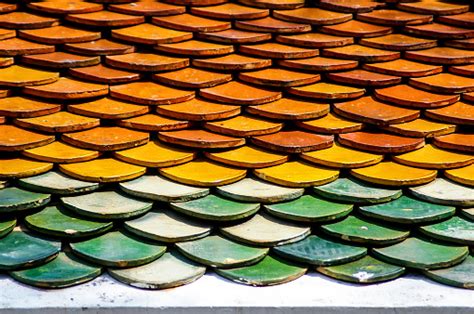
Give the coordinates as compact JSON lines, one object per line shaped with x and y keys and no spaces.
{"x":311,"y":293}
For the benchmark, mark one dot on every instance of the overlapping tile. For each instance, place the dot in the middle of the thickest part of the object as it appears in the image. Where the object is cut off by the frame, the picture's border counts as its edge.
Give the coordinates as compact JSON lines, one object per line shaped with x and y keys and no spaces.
{"x":257,"y":139}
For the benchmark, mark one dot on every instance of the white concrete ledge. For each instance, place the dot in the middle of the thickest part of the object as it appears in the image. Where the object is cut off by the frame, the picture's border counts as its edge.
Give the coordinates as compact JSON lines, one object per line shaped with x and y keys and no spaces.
{"x":312,"y":293}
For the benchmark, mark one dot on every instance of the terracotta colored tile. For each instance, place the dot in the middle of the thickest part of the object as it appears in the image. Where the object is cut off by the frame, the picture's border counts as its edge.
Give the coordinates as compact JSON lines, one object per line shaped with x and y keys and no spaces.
{"x":274,"y":4}
{"x":352,"y":6}
{"x":364,"y":78}
{"x":315,"y":40}
{"x":319,"y":64}
{"x":7,"y":7}
{"x":463,"y":175}
{"x":398,"y":42}
{"x":13,"y":138}
{"x":361,"y":53}
{"x":279,"y":77}
{"x":279,"y":51}
{"x":192,"y":78}
{"x":380,"y":142}
{"x":108,"y":108}
{"x":243,"y":126}
{"x":190,"y":23}
{"x":153,"y":122}
{"x":394,"y":18}
{"x":196,"y":48}
{"x":235,"y":36}
{"x":462,"y":20}
{"x":146,"y":62}
{"x":57,"y":60}
{"x":444,"y":83}
{"x":456,"y":141}
{"x":58,"y":122}
{"x":22,"y":167}
{"x":7,"y":61}
{"x":203,"y":173}
{"x":241,"y":94}
{"x":293,"y":141}
{"x":436,"y":30}
{"x":200,"y":139}
{"x":150,"y":34}
{"x":105,"y":19}
{"x":59,"y":152}
{"x":63,"y":7}
{"x":327,"y":91}
{"x":406,"y":95}
{"x":147,"y":8}
{"x":465,"y":70}
{"x":247,"y":157}
{"x":25,"y":20}
{"x":269,"y":24}
{"x":402,"y":67}
{"x":432,"y":157}
{"x":338,"y":156}
{"x":313,"y":16}
{"x":149,"y":93}
{"x":330,"y":124}
{"x":457,"y":113}
{"x":58,"y":35}
{"x":20,"y":107}
{"x":106,"y":138}
{"x":102,"y":74}
{"x":442,"y":55}
{"x":421,"y":128}
{"x":368,"y":109}
{"x":356,"y":29}
{"x":198,"y":110}
{"x":297,"y":174}
{"x":230,"y":11}
{"x":290,"y":109}
{"x":5,"y":93}
{"x":461,"y":43}
{"x":100,"y":47}
{"x":102,"y":170}
{"x":197,"y":3}
{"x":233,"y":62}
{"x":393,"y":174}
{"x":18,"y":76}
{"x":7,"y":33}
{"x":66,"y":88}
{"x":434,"y":7}
{"x":155,"y":154}
{"x":18,"y":47}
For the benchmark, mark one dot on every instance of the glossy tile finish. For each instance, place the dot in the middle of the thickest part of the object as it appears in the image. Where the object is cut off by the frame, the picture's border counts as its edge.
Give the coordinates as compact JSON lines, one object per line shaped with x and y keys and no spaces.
{"x":260,"y":139}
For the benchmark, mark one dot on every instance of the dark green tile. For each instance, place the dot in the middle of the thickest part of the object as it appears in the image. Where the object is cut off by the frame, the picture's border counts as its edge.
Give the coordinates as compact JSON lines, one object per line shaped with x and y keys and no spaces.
{"x":456,"y":229}
{"x":309,"y":208}
{"x":13,"y":199}
{"x":461,"y":275}
{"x":269,"y":271}
{"x":217,"y":251}
{"x":63,"y":271}
{"x":19,"y":249}
{"x":57,"y":221}
{"x":315,"y":250}
{"x":422,"y":254}
{"x":351,"y":190}
{"x":364,"y":270}
{"x":170,"y":270}
{"x":408,"y":210}
{"x":116,"y":249}
{"x":363,"y":231}
{"x":216,"y":208}
{"x":6,"y":226}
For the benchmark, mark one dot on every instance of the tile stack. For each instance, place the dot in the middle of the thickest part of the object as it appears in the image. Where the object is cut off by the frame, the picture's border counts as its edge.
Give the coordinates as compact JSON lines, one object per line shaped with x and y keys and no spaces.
{"x":258,"y":139}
